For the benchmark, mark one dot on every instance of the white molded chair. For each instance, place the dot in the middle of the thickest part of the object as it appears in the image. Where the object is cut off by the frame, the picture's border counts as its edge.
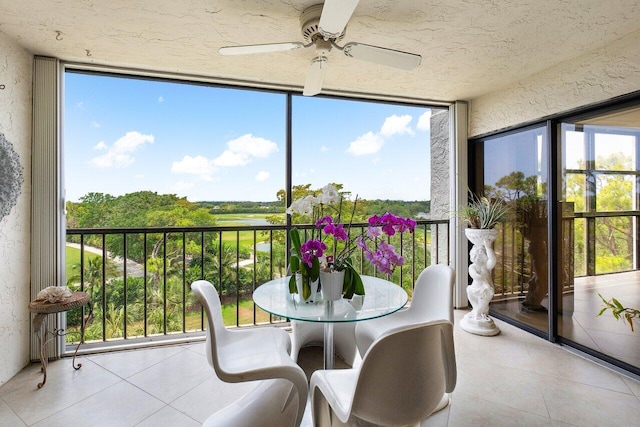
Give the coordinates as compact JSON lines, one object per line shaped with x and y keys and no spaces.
{"x":248,"y":355}
{"x":432,"y":300}
{"x":311,"y":333}
{"x":266,"y":405}
{"x":404,"y":377}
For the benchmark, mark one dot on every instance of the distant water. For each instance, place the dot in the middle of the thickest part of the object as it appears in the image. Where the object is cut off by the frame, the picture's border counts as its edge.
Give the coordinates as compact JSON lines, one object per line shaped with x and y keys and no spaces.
{"x":245,"y":221}
{"x":263,"y":247}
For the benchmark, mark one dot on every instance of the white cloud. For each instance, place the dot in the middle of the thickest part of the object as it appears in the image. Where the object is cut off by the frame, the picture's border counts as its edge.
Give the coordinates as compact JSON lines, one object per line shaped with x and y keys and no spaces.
{"x":262,"y":176}
{"x":80,"y":105}
{"x":100,"y":146}
{"x":198,"y":165}
{"x":325,"y":149}
{"x":242,"y":149}
{"x":239,"y":152}
{"x":424,"y":122}
{"x":131,"y":141}
{"x":396,"y":125}
{"x":160,"y":100}
{"x":369,"y":143}
{"x":118,"y":155}
{"x":95,"y":124}
{"x":230,"y":159}
{"x":253,"y":145}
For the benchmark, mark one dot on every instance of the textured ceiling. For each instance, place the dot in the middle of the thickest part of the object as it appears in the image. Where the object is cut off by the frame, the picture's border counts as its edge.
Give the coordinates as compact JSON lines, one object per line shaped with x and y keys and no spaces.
{"x":468,"y":47}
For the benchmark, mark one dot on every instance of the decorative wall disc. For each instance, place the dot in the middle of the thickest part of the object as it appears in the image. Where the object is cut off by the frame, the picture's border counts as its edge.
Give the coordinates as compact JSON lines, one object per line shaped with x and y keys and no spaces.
{"x":11,"y":177}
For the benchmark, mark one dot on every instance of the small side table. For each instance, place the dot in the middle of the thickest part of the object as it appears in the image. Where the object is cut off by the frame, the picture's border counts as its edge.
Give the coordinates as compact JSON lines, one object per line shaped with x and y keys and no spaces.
{"x":42,"y":309}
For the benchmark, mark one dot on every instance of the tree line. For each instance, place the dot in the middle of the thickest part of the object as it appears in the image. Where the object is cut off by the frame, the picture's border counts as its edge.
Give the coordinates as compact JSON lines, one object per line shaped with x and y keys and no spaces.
{"x":172,"y":259}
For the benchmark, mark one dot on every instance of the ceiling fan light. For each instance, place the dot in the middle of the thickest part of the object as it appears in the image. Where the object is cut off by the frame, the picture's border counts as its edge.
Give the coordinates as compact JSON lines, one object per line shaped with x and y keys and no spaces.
{"x":315,"y":76}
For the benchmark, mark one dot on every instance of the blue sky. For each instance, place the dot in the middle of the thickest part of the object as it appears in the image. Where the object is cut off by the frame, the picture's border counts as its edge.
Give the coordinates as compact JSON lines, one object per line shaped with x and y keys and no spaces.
{"x":123,"y":135}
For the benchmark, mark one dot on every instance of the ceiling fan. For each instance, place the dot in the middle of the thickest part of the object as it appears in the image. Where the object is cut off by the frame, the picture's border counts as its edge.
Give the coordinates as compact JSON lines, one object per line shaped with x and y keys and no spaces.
{"x":322,"y":26}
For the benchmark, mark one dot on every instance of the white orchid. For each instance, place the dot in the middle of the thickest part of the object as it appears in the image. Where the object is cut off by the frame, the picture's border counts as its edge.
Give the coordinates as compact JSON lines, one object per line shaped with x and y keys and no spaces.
{"x":303,"y":206}
{"x":329,"y":195}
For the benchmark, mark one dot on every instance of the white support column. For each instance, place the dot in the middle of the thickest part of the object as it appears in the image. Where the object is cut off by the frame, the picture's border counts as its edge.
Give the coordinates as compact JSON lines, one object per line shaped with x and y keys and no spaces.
{"x":459,"y":184}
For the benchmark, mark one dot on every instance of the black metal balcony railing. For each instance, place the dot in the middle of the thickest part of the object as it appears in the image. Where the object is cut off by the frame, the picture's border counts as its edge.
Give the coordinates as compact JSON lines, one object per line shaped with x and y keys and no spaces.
{"x":141,"y":289}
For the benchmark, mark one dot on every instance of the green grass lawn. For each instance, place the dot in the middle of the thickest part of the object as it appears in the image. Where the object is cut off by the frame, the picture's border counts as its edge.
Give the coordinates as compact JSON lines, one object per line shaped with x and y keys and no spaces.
{"x":72,"y":257}
{"x":192,"y":320}
{"x":245,"y":238}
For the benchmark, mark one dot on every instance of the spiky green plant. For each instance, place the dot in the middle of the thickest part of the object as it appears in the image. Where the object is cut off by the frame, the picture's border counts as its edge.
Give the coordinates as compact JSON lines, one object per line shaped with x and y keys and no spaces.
{"x":482,"y":212}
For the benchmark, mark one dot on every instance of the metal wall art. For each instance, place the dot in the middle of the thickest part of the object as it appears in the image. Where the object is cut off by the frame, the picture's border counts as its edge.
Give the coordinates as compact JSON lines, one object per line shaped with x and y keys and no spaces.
{"x":11,"y":177}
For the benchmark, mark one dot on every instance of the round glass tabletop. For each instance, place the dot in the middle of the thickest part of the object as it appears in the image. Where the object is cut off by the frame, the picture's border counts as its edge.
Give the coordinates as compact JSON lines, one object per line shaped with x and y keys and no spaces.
{"x":381,"y":298}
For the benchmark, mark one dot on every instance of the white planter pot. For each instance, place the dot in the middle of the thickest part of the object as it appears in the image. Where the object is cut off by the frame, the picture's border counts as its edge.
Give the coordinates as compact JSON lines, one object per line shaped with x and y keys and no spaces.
{"x":332,"y":283}
{"x":314,"y":289}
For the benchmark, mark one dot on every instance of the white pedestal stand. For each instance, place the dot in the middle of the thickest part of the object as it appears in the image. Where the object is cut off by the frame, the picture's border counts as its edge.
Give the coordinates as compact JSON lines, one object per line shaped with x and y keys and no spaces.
{"x":480,"y":291}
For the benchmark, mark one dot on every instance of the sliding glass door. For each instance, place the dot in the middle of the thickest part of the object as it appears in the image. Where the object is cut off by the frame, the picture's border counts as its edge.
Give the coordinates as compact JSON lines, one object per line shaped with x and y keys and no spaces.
{"x":515,"y":170}
{"x":600,"y":183}
{"x":568,"y":261}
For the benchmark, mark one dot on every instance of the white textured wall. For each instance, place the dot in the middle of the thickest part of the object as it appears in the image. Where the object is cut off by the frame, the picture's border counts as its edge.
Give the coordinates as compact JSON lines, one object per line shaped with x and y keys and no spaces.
{"x":15,"y":123}
{"x":588,"y":79}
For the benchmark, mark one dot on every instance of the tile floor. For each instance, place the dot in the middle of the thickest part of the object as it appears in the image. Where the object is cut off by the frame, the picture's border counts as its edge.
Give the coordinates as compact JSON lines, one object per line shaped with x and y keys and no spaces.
{"x":513,"y":379}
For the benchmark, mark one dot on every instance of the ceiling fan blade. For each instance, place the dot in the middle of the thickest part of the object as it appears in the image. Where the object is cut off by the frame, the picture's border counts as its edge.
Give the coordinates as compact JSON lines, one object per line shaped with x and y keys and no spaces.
{"x":259,"y":48}
{"x":315,"y":76}
{"x":335,"y":16}
{"x":381,"y":55}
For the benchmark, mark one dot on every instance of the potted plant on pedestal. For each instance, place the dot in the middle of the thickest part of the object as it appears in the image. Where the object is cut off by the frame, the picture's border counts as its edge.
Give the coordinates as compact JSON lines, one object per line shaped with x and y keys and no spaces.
{"x":481,"y":214}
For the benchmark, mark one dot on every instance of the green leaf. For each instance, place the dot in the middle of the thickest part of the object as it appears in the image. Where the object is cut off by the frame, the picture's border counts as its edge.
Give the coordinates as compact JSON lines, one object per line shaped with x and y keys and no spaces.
{"x":294,"y":263}
{"x":352,"y":282}
{"x":359,"y":287}
{"x":293,"y":286}
{"x":314,"y":273}
{"x":294,"y":235}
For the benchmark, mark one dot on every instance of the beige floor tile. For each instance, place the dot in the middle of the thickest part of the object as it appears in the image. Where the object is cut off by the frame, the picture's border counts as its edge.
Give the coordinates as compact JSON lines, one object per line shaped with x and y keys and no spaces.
{"x":500,"y":351}
{"x":198,"y":347}
{"x":169,"y":417}
{"x":127,"y":363}
{"x":210,"y":396}
{"x":516,"y":388}
{"x":64,"y":387}
{"x":174,"y":376}
{"x":118,"y":405}
{"x":634,"y":385}
{"x":587,"y":405}
{"x":467,"y":410}
{"x":557,"y":362}
{"x":8,"y":418}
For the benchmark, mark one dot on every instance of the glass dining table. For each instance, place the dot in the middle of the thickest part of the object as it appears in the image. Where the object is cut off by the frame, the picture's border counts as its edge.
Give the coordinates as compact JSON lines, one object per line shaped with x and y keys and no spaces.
{"x":381,"y":298}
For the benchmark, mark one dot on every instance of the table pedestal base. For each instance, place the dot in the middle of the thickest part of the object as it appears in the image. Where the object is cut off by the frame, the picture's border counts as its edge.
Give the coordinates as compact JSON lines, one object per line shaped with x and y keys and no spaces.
{"x":328,"y":337}
{"x":41,"y":328}
{"x":41,"y":309}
